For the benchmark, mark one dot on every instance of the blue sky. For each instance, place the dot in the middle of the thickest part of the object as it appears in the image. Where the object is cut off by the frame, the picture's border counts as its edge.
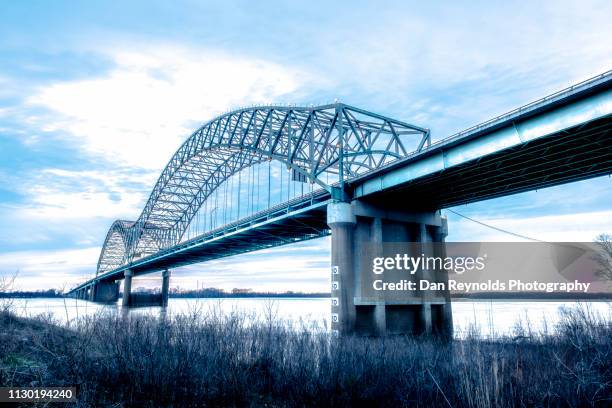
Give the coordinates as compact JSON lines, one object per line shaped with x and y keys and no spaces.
{"x":95,"y":97}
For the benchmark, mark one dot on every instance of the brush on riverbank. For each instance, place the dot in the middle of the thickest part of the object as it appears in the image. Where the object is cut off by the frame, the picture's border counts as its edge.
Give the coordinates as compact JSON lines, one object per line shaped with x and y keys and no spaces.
{"x":218,"y":360}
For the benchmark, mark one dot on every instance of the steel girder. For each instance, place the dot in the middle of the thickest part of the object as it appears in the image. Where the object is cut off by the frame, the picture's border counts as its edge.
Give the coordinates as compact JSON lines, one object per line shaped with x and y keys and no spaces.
{"x":333,"y":139}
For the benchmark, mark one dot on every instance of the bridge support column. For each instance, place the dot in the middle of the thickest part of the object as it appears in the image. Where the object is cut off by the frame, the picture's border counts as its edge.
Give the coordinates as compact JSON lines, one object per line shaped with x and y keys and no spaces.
{"x":165,"y":289}
{"x":341,"y":220}
{"x":127,"y":288}
{"x":105,"y":292}
{"x":443,"y":316}
{"x":362,"y":232}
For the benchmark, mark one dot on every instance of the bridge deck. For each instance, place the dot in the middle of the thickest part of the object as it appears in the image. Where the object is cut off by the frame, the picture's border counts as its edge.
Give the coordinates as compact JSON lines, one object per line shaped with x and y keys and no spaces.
{"x":559,"y":139}
{"x":577,"y":153}
{"x":298,"y":220}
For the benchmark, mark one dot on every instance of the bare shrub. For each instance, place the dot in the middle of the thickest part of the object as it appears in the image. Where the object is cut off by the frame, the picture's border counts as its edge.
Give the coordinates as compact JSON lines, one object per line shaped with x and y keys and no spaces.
{"x":212,"y":359}
{"x":7,"y":283}
{"x":604,"y":256}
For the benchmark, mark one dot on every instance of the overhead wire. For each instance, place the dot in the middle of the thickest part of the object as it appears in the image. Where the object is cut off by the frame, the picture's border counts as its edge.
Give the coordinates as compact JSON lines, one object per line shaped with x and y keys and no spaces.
{"x":496,"y":228}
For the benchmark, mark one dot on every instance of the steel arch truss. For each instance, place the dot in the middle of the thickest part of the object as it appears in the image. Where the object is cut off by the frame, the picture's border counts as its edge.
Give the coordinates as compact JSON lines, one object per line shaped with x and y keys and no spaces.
{"x":114,"y":250}
{"x":333,"y":139}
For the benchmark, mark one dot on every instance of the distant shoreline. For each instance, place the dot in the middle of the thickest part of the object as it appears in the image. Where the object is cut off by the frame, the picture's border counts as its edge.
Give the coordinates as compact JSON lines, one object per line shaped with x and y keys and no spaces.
{"x":223,"y":295}
{"x":214,"y":294}
{"x":599,"y":296}
{"x":182,"y":295}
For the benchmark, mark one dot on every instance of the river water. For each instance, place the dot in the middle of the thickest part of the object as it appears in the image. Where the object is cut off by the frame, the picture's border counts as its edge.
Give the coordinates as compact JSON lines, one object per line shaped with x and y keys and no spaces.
{"x":486,"y":318}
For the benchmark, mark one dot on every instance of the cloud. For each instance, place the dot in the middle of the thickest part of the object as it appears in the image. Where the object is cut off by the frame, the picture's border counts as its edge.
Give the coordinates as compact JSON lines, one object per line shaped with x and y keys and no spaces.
{"x":448,"y":66}
{"x":63,"y":208}
{"x":49,"y":269}
{"x":56,"y":194}
{"x":138,"y":113}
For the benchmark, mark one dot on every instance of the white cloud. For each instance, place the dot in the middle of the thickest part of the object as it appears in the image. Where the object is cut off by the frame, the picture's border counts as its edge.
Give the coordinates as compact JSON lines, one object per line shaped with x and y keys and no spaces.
{"x":154,"y":97}
{"x":73,"y":207}
{"x":477,"y":61}
{"x":49,"y":269}
{"x":4,"y":112}
{"x":56,"y":195}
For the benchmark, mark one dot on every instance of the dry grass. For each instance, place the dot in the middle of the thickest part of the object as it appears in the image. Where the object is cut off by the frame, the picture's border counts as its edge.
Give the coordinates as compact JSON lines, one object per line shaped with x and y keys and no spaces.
{"x":217,"y":360}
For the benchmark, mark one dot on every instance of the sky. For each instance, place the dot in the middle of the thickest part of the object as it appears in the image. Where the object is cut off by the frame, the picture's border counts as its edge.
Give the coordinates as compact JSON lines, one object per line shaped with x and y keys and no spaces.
{"x":96,"y":96}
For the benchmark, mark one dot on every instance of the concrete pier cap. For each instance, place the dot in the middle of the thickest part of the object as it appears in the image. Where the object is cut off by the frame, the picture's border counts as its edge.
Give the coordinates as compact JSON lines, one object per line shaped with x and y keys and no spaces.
{"x":340,"y":212}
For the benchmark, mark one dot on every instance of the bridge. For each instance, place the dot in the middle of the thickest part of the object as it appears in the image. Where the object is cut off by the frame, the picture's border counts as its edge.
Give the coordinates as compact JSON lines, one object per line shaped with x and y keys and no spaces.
{"x":266,"y":176}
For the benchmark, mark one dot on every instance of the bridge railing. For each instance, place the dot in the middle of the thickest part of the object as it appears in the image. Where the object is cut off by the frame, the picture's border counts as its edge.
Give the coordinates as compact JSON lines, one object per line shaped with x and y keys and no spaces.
{"x":606,"y":76}
{"x":526,"y":108}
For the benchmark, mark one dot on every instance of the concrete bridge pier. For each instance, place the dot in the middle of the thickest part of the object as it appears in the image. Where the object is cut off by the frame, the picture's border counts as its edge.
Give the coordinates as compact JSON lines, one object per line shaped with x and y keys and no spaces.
{"x":105,"y":292}
{"x":165,"y":289}
{"x":342,"y":222}
{"x":363,"y":231}
{"x":145,"y":299}
{"x":85,"y":293}
{"x":127,"y":288}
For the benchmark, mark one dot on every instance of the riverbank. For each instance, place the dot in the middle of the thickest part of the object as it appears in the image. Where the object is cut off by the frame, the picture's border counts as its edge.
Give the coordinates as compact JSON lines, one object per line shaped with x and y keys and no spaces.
{"x":220,"y":294}
{"x":187,"y":294}
{"x":221,"y":360}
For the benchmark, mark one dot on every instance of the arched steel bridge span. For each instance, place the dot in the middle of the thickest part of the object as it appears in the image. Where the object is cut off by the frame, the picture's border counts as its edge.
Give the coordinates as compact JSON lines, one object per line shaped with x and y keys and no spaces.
{"x":340,"y":153}
{"x":337,"y":141}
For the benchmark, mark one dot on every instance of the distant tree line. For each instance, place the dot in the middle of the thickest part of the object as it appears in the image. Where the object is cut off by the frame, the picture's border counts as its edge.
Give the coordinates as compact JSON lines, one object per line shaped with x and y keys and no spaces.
{"x":49,"y":293}
{"x":241,"y":293}
{"x":199,"y":293}
{"x":533,"y":295}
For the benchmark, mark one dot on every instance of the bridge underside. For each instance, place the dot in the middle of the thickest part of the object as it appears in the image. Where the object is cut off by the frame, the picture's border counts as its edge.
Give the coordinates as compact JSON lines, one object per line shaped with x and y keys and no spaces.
{"x":258,"y":233}
{"x":575,"y":154}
